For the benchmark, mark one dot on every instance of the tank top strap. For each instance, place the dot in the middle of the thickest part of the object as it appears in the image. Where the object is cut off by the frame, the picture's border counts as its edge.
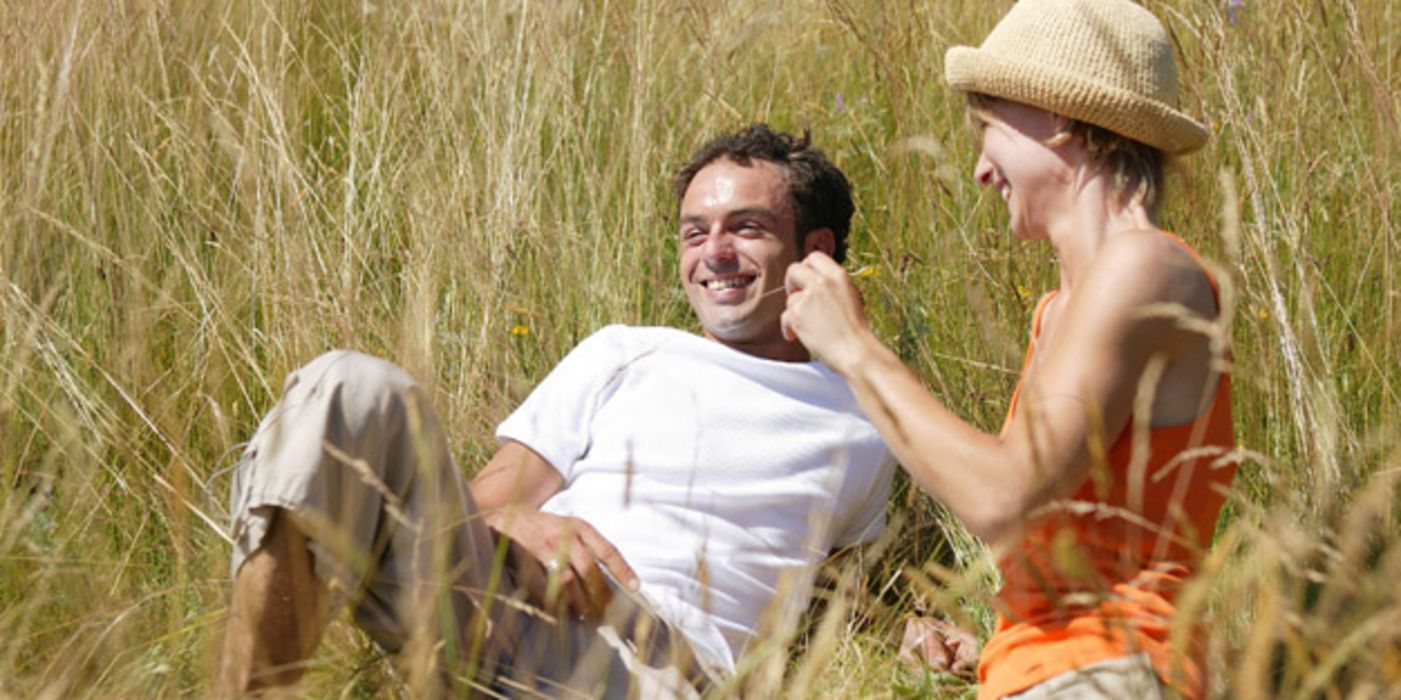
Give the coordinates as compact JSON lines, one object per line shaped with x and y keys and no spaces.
{"x":1041,"y":305}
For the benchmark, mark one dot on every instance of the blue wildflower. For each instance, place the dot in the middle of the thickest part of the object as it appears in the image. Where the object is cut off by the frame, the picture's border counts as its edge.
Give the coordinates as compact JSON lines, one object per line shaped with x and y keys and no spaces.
{"x":1232,"y":7}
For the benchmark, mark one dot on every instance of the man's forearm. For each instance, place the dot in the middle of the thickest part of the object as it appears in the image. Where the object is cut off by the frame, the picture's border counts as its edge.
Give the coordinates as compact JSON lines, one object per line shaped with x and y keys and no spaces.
{"x":516,"y":477}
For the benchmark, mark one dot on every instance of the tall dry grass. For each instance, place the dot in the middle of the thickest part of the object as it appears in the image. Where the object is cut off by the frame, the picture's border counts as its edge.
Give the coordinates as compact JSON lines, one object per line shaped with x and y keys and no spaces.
{"x":197,"y":196}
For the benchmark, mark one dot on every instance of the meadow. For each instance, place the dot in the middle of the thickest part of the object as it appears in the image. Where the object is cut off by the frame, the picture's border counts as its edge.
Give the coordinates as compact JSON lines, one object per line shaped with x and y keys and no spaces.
{"x":197,"y":196}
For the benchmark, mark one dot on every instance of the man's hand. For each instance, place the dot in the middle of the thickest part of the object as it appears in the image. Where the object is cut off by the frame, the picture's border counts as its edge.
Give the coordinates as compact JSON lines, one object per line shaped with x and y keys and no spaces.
{"x":557,"y":559}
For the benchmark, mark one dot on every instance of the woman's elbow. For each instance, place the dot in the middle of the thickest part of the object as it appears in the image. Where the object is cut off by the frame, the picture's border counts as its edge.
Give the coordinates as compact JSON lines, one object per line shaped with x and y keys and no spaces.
{"x":995,"y":518}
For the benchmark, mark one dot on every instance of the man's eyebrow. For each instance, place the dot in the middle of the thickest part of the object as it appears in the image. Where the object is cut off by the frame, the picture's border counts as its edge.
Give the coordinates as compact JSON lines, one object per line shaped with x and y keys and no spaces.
{"x":761,"y":212}
{"x":752,"y":211}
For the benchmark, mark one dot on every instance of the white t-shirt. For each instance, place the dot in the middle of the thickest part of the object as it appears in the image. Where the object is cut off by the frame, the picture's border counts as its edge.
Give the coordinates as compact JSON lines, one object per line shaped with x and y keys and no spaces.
{"x":712,"y":471}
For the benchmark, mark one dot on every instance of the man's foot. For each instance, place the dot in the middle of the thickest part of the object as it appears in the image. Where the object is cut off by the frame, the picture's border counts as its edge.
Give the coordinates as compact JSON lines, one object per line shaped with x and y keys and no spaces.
{"x":931,"y":643}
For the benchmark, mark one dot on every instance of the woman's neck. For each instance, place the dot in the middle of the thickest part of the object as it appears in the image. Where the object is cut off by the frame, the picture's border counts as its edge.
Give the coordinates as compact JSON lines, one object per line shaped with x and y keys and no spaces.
{"x":1092,"y":216}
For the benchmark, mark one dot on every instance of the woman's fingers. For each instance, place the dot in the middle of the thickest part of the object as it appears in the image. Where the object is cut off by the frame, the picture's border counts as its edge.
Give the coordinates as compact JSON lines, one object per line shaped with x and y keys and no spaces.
{"x":786,"y":325}
{"x":794,"y":278}
{"x":823,"y":306}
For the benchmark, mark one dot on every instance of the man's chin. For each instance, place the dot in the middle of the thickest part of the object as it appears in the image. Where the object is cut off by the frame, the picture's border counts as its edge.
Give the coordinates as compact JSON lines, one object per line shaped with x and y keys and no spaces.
{"x":729,"y":334}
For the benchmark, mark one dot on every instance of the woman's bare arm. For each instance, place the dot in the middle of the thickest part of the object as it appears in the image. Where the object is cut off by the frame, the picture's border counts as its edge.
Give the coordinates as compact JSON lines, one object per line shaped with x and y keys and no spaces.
{"x":1082,"y":390}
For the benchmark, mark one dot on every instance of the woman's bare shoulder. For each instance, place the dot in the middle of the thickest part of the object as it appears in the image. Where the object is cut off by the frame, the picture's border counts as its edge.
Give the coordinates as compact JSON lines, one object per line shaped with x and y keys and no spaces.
{"x":1151,"y":266}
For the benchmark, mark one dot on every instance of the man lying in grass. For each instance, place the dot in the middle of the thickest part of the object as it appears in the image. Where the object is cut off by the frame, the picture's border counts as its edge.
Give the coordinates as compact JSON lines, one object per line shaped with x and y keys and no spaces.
{"x":649,"y":502}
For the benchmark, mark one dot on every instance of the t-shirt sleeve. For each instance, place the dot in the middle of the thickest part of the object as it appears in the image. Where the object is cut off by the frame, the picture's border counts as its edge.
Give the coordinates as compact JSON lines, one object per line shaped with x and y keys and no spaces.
{"x":554,"y":420}
{"x":867,"y":520}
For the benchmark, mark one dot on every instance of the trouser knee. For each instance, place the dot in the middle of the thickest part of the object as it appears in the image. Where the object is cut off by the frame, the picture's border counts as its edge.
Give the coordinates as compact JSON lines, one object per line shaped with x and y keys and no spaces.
{"x":363,"y":382}
{"x":348,"y":431}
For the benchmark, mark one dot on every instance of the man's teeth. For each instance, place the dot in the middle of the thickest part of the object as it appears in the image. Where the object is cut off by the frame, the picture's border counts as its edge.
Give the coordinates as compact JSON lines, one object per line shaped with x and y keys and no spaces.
{"x":726,"y":283}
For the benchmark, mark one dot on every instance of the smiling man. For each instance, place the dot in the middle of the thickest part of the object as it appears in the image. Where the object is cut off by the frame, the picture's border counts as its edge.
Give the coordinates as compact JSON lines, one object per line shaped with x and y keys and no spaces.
{"x":656,"y":494}
{"x":751,"y":203}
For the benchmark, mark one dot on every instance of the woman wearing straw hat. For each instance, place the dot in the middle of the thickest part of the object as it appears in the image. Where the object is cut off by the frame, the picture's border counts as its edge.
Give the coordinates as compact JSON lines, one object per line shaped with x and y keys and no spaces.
{"x":1104,"y":485}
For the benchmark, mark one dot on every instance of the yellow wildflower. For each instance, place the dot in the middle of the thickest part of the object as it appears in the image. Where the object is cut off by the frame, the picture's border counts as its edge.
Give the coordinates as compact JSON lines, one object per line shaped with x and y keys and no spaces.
{"x":519,"y":331}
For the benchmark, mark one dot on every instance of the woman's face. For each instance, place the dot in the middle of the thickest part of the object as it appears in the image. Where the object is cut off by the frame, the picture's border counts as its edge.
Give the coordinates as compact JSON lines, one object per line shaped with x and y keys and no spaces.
{"x":1035,"y":180}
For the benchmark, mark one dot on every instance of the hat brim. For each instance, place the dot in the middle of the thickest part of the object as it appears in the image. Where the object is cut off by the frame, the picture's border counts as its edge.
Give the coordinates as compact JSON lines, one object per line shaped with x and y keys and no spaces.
{"x":1142,"y":119}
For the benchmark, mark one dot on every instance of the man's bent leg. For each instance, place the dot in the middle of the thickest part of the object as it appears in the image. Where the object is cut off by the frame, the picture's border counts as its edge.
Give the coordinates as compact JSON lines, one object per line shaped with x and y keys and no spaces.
{"x":354,"y":450}
{"x":278,"y":612}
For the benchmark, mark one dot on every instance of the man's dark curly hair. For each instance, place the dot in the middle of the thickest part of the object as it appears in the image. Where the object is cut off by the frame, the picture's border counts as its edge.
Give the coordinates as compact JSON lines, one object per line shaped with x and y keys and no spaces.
{"x":820,"y":193}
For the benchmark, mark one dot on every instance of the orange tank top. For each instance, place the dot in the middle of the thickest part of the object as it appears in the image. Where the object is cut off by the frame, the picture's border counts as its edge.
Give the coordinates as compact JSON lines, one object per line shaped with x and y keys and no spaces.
{"x":1096,"y":578}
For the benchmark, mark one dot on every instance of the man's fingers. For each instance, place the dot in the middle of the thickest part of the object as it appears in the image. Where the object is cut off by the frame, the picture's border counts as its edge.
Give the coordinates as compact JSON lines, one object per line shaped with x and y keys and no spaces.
{"x":609,"y":556}
{"x":570,"y":553}
{"x":564,"y":589}
{"x":595,"y":591}
{"x":592,"y":592}
{"x":571,"y":596}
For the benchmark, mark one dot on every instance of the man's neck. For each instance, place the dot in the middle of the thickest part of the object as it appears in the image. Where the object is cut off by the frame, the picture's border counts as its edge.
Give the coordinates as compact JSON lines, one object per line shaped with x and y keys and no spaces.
{"x":777,"y":349}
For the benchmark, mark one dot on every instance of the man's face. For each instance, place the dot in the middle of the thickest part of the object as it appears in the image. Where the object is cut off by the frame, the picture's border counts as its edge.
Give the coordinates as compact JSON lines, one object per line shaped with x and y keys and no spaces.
{"x":737,"y":235}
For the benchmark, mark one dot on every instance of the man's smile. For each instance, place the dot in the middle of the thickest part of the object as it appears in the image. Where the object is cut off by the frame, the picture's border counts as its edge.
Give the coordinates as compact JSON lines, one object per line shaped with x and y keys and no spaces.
{"x":728,"y":282}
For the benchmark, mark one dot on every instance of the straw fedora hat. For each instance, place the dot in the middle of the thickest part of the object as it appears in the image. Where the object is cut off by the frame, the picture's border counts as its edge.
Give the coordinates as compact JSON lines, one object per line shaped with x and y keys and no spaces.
{"x":1103,"y":62}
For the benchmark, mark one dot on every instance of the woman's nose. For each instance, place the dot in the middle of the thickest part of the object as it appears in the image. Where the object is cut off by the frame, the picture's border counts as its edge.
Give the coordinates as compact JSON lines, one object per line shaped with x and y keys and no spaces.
{"x":982,"y":172}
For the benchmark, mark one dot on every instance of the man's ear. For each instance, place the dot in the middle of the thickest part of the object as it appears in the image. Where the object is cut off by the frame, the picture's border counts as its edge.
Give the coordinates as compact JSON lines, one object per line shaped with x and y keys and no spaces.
{"x":820,"y":239}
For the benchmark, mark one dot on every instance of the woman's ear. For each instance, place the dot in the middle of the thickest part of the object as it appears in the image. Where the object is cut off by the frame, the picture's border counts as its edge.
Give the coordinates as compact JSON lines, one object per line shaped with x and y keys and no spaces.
{"x":820,"y":239}
{"x":1060,"y":130}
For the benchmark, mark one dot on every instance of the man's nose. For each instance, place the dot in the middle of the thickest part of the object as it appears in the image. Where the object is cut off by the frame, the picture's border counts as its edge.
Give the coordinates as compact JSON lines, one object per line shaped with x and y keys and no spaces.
{"x":719,"y":247}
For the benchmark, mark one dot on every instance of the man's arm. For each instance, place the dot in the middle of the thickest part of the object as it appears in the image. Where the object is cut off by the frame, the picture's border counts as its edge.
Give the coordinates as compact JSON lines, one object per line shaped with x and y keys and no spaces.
{"x":509,"y":491}
{"x":515,"y":476}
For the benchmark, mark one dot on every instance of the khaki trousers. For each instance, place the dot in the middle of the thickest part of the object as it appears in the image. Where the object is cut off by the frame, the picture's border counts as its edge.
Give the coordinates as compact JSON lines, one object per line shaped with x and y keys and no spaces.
{"x":1115,"y":679}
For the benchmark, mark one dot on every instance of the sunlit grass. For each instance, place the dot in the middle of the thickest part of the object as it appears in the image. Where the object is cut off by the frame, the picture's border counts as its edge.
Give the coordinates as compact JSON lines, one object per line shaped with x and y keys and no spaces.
{"x":196,"y":197}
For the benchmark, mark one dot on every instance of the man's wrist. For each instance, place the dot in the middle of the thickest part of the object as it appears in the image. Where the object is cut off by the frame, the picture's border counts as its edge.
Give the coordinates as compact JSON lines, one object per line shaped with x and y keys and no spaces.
{"x":498,"y":517}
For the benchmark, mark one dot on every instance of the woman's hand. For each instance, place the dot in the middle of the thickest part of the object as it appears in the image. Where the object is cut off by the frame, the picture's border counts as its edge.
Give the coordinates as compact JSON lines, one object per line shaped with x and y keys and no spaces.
{"x":825,"y":313}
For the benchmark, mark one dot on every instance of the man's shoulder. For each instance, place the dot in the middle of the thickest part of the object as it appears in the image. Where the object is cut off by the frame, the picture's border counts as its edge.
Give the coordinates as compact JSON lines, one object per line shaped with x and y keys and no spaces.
{"x":614,"y":347}
{"x":629,"y":342}
{"x":621,"y":332}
